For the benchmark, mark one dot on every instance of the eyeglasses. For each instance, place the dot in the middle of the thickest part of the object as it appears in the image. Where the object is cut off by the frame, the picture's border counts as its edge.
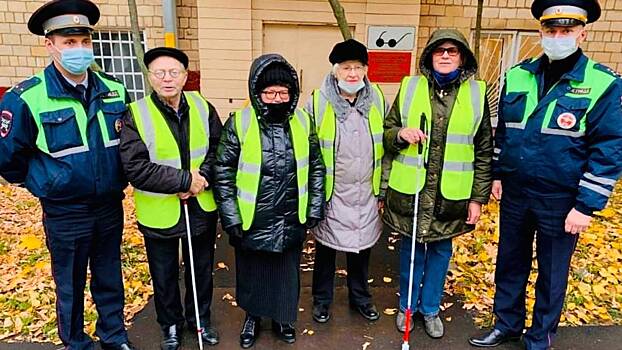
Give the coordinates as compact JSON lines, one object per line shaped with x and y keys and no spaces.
{"x":451,"y":51}
{"x":161,"y":73}
{"x":356,"y":69}
{"x":271,"y":94}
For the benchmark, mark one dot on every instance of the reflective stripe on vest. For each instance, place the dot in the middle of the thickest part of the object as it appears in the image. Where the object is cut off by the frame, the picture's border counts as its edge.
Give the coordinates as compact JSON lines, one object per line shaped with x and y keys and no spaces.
{"x":466,"y":116}
{"x":66,"y":109}
{"x":159,"y":210}
{"x":522,"y":82}
{"x":326,"y":127}
{"x":249,"y":164}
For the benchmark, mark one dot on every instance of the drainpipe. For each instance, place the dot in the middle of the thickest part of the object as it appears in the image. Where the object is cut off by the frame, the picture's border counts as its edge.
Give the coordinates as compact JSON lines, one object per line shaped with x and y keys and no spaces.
{"x":169,"y":12}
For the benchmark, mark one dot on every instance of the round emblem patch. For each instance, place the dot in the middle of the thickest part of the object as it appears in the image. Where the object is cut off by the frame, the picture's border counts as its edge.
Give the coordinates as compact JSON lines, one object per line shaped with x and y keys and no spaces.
{"x":6,"y":121}
{"x":566,"y":120}
{"x":76,"y":20}
{"x":118,"y":125}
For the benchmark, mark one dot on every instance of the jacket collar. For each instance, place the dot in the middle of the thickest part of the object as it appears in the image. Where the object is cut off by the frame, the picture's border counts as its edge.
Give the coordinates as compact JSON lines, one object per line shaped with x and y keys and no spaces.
{"x":168,"y":111}
{"x":58,"y":87}
{"x":577,"y":73}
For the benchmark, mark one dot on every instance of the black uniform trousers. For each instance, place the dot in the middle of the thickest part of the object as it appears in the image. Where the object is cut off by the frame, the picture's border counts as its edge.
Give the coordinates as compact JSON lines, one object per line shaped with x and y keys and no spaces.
{"x":324,"y":275}
{"x":163,"y":257}
{"x":521,"y":219}
{"x":81,"y":235}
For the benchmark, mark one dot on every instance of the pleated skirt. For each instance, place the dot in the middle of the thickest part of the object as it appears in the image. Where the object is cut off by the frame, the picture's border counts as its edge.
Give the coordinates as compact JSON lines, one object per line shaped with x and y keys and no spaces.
{"x":268,"y":284}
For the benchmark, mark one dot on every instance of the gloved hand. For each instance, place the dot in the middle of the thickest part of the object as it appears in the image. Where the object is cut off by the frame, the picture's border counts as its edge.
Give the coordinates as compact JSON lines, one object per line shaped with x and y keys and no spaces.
{"x":311,"y":223}
{"x":235,"y":235}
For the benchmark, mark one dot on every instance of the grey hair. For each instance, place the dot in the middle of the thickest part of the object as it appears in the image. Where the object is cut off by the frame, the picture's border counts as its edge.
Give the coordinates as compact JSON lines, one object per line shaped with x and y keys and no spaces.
{"x":334,"y":69}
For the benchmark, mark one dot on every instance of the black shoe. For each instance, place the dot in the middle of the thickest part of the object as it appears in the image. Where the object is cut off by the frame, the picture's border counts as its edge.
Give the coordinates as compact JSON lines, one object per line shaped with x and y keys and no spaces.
{"x":124,"y":346}
{"x":285,"y":331}
{"x":491,"y":339}
{"x":320,"y":313}
{"x":209,"y":335}
{"x":368,"y":311}
{"x":171,"y":338}
{"x":250,"y":331}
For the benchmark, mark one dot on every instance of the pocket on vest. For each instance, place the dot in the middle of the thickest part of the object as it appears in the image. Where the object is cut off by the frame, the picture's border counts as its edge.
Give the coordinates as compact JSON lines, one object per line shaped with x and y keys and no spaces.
{"x":61,"y":130}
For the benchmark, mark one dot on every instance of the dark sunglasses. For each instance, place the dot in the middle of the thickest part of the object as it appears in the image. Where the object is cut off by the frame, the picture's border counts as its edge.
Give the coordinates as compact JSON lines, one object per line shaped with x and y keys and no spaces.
{"x":451,"y":51}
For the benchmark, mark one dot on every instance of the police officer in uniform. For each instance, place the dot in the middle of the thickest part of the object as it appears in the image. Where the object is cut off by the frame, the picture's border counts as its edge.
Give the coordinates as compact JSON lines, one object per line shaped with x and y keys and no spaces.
{"x":59,"y":135}
{"x":168,"y":147}
{"x":557,"y":159}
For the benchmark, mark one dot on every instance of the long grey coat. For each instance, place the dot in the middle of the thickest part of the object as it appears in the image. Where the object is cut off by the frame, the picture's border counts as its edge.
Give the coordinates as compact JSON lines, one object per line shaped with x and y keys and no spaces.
{"x":352,"y":222}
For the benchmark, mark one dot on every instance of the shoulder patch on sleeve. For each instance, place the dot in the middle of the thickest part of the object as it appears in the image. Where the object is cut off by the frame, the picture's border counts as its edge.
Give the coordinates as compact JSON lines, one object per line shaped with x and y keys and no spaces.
{"x":601,"y":67}
{"x":6,"y":122}
{"x":25,"y":85}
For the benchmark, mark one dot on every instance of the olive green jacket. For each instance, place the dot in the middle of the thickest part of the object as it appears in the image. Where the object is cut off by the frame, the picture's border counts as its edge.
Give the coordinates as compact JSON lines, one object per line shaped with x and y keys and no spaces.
{"x":438,"y":218}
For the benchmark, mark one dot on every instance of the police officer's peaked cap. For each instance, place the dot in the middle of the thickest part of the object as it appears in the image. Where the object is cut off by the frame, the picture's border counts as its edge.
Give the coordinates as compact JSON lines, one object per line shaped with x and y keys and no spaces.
{"x":168,"y":52}
{"x":348,"y":50}
{"x":565,"y":12}
{"x":65,"y":17}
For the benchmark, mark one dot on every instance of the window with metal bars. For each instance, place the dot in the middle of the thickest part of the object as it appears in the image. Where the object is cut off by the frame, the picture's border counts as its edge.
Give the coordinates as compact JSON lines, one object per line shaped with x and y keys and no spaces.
{"x":114,"y":53}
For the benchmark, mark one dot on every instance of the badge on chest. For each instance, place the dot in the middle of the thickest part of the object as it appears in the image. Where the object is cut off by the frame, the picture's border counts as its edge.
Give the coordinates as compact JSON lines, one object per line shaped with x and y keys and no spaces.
{"x":566,"y":120}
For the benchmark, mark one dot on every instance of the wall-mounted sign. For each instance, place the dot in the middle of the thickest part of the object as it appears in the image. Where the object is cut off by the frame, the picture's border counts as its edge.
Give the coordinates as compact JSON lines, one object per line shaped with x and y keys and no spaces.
{"x":390,"y":38}
{"x":388,"y":67}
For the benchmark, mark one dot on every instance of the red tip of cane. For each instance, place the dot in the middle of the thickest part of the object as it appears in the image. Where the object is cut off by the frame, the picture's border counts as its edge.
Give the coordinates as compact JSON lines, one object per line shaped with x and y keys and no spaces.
{"x":407,"y":325}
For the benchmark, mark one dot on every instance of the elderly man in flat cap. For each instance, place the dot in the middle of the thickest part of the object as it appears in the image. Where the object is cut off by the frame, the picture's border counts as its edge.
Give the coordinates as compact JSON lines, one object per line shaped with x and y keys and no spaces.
{"x":557,"y":159}
{"x":168,"y":147}
{"x":349,"y":115}
{"x":59,"y":135}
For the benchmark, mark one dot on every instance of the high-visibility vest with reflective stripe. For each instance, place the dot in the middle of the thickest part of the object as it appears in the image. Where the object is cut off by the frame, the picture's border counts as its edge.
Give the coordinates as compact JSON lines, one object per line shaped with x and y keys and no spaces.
{"x":466,"y":116}
{"x":326,"y":126}
{"x":38,"y":103}
{"x":161,"y":210}
{"x":249,"y":164}
{"x":520,"y":81}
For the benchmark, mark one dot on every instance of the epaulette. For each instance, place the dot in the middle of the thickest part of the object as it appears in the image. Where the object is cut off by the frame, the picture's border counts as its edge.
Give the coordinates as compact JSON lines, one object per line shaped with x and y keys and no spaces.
{"x":109,"y":77}
{"x":601,"y":67}
{"x":25,"y":85}
{"x":523,"y":62}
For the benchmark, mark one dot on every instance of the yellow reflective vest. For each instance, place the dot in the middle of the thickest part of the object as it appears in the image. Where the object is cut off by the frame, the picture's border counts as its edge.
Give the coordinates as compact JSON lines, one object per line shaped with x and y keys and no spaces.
{"x":161,"y":210}
{"x":326,"y":127}
{"x":249,"y":164}
{"x":466,"y":116}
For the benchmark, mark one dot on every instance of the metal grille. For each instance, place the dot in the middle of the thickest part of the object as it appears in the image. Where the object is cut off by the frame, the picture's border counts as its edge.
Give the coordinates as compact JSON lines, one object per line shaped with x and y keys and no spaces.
{"x":114,"y":53}
{"x":499,"y":51}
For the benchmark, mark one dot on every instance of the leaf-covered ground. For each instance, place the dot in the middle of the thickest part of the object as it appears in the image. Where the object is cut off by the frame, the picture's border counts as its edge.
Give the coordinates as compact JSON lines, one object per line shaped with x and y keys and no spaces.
{"x":594,"y":294}
{"x":27,"y":290}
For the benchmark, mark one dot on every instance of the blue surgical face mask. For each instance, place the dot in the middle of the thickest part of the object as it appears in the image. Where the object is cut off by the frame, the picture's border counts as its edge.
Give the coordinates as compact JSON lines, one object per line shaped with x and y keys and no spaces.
{"x":351,"y":88}
{"x":76,"y":60}
{"x":559,"y":48}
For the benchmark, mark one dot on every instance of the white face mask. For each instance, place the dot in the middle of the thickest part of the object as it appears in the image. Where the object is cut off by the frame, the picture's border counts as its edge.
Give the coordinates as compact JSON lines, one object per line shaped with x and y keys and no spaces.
{"x":559,"y":48}
{"x":351,"y":88}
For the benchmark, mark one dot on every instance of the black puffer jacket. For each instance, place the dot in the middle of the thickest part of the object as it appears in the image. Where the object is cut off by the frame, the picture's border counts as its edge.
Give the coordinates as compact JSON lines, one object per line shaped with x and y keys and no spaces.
{"x":276,"y":226}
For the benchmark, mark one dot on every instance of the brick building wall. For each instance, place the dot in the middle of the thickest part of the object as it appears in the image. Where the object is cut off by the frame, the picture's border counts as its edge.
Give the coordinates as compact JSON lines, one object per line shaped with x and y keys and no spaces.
{"x":231,"y":35}
{"x":22,"y":54}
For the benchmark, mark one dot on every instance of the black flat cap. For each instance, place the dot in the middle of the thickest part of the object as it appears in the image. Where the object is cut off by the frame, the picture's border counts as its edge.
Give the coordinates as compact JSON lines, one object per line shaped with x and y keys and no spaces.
{"x":565,"y":12}
{"x":168,"y":52}
{"x":349,"y":50}
{"x":64,"y":17}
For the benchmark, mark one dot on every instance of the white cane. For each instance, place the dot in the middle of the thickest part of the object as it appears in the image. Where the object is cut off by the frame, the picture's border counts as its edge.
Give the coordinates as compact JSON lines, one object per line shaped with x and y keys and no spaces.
{"x":408,"y":314}
{"x":194,"y":284}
